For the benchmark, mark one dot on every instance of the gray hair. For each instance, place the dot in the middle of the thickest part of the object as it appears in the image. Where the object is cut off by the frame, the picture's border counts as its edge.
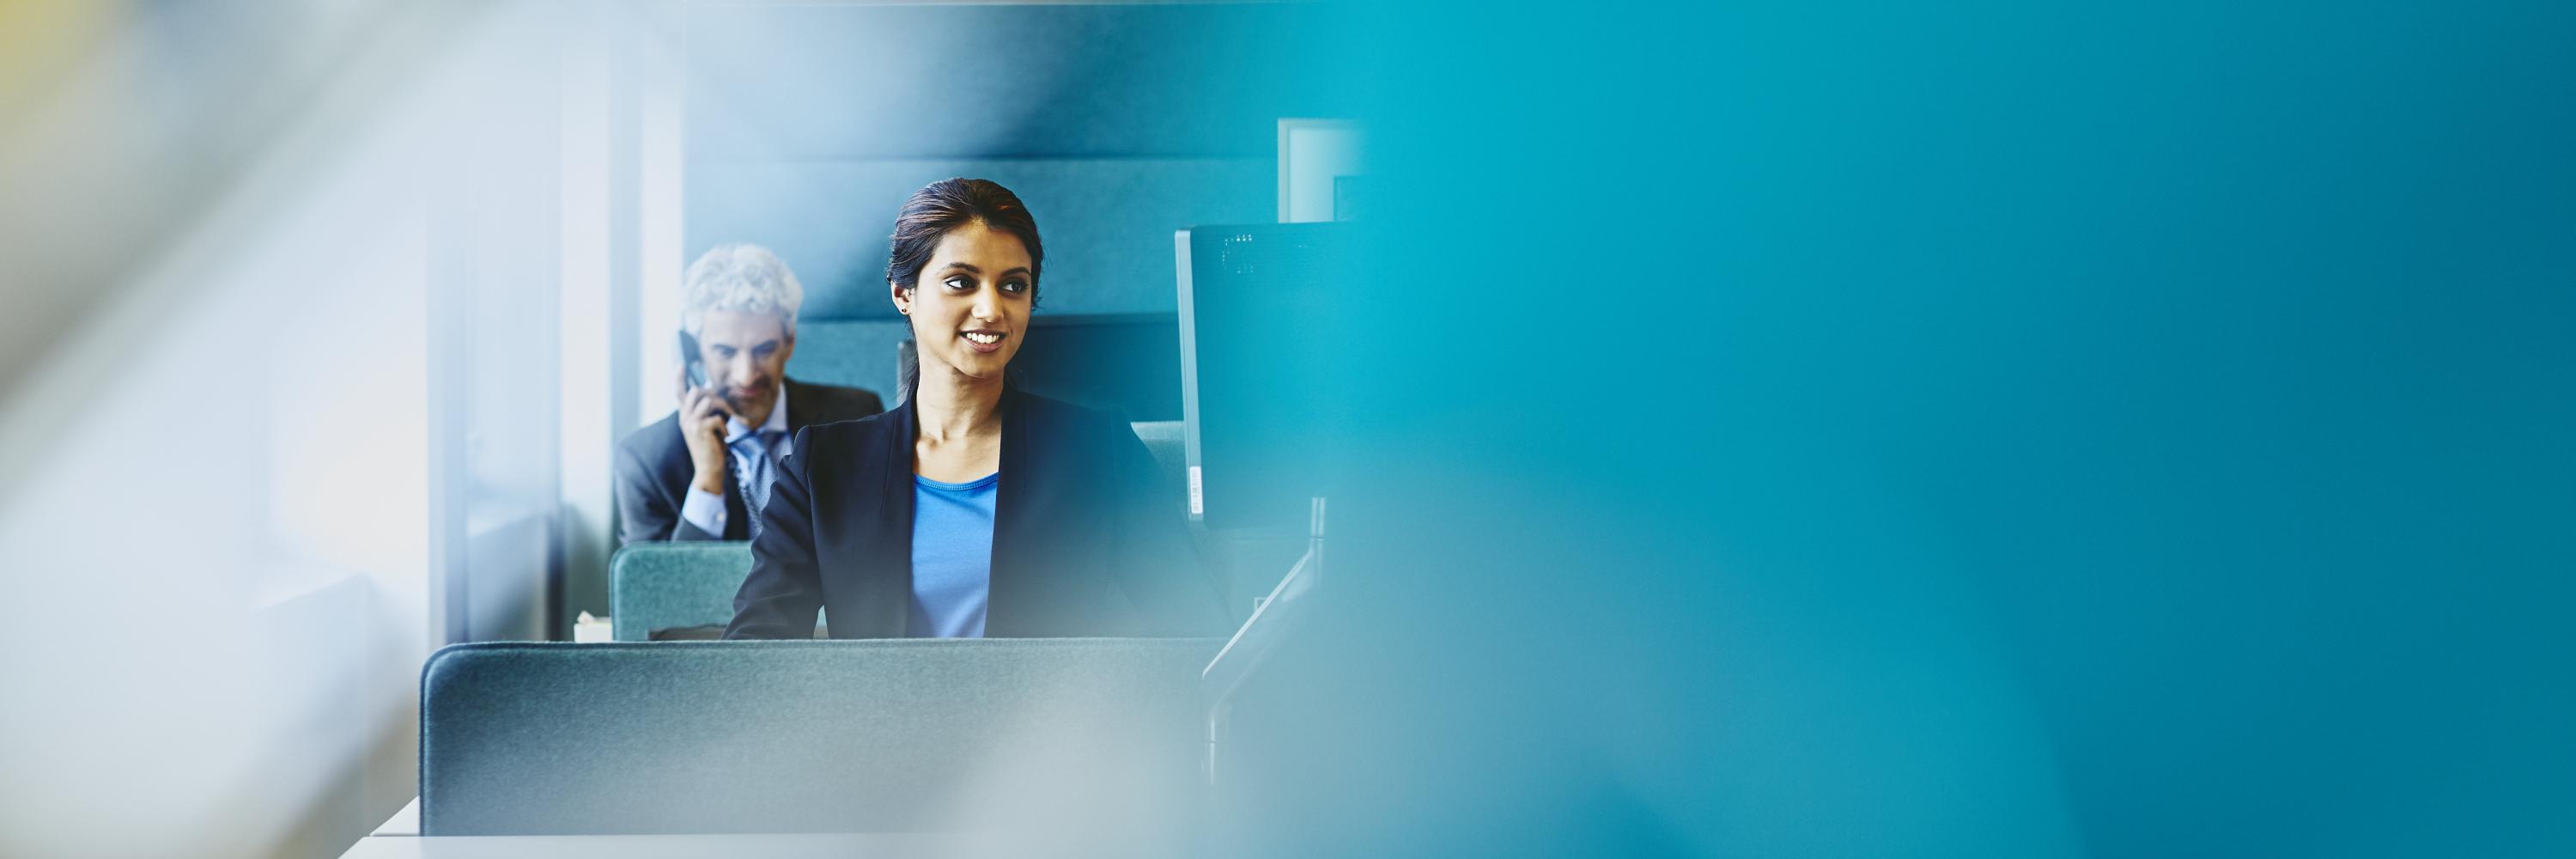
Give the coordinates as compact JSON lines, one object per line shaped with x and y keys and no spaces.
{"x":740,"y":278}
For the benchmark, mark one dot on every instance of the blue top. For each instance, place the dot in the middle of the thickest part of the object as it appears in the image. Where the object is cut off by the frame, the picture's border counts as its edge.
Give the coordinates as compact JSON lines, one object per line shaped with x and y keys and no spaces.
{"x":952,"y":556}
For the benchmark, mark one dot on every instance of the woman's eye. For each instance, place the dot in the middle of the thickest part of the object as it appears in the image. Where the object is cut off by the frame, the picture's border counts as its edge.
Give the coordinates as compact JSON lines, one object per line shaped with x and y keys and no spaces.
{"x":959,"y":283}
{"x":1014,"y":286}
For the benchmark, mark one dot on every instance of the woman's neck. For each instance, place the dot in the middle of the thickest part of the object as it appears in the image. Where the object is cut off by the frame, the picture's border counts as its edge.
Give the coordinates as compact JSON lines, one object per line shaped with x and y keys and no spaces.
{"x":952,"y":405}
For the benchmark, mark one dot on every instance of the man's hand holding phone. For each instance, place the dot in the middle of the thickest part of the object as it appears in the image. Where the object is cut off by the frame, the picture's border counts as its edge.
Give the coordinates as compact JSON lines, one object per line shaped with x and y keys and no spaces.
{"x":702,"y":421}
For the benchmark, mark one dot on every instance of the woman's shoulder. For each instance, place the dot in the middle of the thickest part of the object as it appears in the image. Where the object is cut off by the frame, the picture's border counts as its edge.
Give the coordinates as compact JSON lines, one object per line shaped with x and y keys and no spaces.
{"x":848,"y":432}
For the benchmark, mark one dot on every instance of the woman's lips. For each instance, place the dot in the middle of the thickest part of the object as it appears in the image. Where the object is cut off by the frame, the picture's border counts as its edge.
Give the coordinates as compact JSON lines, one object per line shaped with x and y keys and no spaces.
{"x":979,"y":345}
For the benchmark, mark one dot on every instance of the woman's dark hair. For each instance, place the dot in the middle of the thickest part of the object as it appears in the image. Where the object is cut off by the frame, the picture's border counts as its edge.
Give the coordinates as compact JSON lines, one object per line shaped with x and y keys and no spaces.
{"x":944,"y":206}
{"x":947,"y":204}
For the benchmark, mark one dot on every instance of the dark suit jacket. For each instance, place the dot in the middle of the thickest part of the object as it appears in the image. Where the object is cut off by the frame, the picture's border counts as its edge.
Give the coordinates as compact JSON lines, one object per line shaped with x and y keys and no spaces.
{"x":653,"y":468}
{"x":1083,"y":545}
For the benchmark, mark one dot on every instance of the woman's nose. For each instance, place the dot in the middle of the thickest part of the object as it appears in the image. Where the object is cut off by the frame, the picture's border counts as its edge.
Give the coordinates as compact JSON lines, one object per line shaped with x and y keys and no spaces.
{"x":987,"y":305}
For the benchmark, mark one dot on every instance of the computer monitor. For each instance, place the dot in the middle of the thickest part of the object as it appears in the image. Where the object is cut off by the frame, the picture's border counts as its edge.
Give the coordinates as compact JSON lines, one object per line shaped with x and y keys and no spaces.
{"x":1257,"y":392}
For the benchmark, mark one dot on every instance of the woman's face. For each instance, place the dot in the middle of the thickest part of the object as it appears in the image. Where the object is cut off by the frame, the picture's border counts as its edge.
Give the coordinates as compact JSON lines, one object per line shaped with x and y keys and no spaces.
{"x":970,"y":307}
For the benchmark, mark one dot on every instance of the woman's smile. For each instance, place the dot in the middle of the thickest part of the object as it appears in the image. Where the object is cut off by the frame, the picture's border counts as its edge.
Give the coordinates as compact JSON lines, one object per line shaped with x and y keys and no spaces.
{"x":984,"y":340}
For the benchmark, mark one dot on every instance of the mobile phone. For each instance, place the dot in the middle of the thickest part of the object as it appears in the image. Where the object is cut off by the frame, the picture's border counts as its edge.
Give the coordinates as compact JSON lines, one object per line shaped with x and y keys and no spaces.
{"x":692,"y":359}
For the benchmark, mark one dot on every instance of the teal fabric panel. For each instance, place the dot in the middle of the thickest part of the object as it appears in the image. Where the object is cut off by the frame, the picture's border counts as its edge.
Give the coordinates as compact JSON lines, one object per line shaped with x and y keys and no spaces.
{"x":1107,"y":222}
{"x":654,"y":586}
{"x":807,"y":736}
{"x":852,"y":353}
{"x":815,"y":81}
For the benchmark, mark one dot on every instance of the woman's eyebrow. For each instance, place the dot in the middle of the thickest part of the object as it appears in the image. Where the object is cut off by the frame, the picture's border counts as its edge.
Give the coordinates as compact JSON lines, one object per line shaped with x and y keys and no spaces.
{"x":954,"y":266}
{"x":1018,"y":270}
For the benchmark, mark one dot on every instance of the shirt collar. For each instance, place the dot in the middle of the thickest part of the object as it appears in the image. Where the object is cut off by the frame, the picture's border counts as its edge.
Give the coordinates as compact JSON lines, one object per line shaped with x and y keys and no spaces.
{"x":735,"y":429}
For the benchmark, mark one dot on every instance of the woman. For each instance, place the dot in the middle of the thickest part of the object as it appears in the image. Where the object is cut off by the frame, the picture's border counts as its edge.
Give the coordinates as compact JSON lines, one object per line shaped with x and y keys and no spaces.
{"x":973,"y":509}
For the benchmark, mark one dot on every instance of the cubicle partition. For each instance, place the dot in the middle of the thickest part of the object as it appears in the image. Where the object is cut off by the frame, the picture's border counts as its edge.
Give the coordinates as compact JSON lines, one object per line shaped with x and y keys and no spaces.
{"x":1095,"y":741}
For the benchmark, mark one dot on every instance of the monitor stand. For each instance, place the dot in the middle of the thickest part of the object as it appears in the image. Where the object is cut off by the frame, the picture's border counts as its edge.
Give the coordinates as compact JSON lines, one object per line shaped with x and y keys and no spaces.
{"x":1273,"y":617}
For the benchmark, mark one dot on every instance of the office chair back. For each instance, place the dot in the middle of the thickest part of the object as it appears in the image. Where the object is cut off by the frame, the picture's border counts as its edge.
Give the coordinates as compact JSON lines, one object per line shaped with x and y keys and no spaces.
{"x":657,"y":587}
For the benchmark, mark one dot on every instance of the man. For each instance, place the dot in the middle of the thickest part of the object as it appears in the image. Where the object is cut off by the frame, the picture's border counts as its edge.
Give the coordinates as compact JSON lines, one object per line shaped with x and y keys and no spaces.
{"x":703,"y":472}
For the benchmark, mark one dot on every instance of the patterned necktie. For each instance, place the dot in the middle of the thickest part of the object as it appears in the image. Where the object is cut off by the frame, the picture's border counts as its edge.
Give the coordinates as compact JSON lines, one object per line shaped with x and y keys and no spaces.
{"x":751,"y":452}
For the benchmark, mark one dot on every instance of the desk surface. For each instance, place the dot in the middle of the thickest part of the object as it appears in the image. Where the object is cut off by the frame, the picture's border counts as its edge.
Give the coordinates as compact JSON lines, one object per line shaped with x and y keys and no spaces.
{"x":674,"y":846}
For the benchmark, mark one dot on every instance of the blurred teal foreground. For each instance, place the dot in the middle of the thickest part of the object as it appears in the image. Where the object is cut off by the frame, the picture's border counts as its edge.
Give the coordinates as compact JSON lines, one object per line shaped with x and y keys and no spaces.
{"x":1976,"y":430}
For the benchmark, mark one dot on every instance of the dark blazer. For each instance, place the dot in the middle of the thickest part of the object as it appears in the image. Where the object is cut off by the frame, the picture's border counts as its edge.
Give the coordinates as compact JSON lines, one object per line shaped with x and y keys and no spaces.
{"x":653,"y":467}
{"x":1083,"y":546}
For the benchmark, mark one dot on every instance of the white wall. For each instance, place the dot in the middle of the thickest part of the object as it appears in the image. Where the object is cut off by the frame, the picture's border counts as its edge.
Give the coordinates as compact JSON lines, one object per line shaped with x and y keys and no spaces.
{"x":1313,"y":155}
{"x":217,"y":554}
{"x":218,"y":490}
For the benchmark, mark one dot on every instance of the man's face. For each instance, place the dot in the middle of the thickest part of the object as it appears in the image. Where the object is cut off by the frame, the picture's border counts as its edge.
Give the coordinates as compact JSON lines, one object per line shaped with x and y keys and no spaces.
{"x":746,"y":356}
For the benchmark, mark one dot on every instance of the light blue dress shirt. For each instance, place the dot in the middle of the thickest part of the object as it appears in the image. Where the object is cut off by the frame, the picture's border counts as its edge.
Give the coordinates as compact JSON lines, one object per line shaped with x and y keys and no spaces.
{"x":706,"y":510}
{"x":952,"y":556}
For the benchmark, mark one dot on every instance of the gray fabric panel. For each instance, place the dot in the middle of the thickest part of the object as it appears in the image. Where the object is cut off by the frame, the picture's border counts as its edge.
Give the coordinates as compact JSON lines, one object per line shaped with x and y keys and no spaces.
{"x":796,"y":736}
{"x":1107,"y":223}
{"x":674,"y":585}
